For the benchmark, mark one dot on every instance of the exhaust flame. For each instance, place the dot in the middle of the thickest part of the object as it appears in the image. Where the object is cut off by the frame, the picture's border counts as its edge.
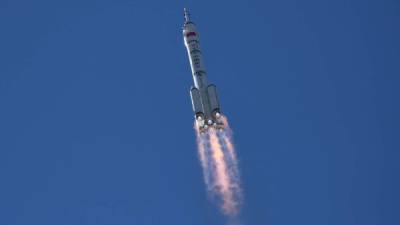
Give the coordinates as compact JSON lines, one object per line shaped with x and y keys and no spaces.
{"x":220,"y":168}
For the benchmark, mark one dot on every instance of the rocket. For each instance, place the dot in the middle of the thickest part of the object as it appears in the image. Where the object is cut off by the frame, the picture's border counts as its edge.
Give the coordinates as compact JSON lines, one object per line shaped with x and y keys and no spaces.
{"x":205,"y":101}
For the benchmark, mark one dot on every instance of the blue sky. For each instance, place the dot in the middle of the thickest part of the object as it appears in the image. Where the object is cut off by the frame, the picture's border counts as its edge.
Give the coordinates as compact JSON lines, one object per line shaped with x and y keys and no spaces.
{"x":96,"y":120}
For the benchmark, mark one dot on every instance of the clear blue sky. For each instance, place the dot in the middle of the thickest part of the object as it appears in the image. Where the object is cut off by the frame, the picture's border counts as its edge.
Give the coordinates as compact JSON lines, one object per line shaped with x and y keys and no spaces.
{"x":96,"y":119}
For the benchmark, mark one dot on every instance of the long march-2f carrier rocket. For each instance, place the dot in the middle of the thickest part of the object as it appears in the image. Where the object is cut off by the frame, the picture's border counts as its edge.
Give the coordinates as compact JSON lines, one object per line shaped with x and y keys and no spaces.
{"x":204,"y":95}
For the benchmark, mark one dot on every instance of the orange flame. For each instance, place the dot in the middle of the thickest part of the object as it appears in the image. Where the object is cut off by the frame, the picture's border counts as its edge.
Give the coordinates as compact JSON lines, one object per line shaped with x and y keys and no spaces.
{"x":219,"y":162}
{"x":202,"y":154}
{"x":222,"y":177}
{"x":228,"y":139}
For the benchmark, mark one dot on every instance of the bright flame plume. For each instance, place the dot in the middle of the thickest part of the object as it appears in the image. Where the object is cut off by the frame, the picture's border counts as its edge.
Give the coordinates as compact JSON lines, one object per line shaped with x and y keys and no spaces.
{"x":220,"y":168}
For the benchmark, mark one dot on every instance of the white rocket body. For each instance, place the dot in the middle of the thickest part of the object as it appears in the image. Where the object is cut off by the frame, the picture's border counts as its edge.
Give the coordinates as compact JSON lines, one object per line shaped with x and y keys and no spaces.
{"x":204,"y":95}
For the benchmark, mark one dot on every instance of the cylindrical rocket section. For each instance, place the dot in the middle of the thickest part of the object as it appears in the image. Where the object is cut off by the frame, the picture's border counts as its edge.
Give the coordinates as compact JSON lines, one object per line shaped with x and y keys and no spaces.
{"x":196,"y":101}
{"x":192,"y":43}
{"x":213,"y":98}
{"x":204,"y":96}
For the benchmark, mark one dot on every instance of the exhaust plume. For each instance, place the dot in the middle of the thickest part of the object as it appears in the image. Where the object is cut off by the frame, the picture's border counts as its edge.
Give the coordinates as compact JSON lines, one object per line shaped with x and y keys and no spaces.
{"x":220,"y":168}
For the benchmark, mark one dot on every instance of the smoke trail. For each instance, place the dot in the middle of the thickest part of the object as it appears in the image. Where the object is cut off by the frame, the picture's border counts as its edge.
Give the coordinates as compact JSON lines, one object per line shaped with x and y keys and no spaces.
{"x":203,"y":152}
{"x":220,"y":168}
{"x":223,"y":179}
{"x":227,"y":136}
